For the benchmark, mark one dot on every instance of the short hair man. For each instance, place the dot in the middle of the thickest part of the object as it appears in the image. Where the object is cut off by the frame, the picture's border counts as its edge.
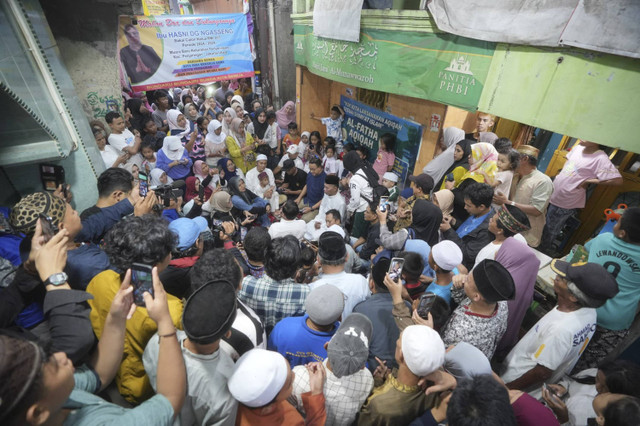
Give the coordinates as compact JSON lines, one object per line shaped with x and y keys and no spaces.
{"x":122,"y":139}
{"x":332,"y":200}
{"x":247,"y":331}
{"x":332,"y":256}
{"x":552,"y":347}
{"x":369,"y":244}
{"x":134,"y":239}
{"x":311,"y":196}
{"x":378,"y":309}
{"x":473,"y":234}
{"x":302,"y":340}
{"x":114,"y":185}
{"x":160,"y":114}
{"x":419,"y":352}
{"x":276,"y":295}
{"x":262,"y":381}
{"x":530,"y":192}
{"x":289,"y":223}
{"x":291,"y":154}
{"x":294,"y":179}
{"x":484,"y":123}
{"x":207,"y":317}
{"x":348,"y":382}
{"x":615,"y":252}
{"x":481,"y":316}
{"x":255,"y":245}
{"x":479,"y":400}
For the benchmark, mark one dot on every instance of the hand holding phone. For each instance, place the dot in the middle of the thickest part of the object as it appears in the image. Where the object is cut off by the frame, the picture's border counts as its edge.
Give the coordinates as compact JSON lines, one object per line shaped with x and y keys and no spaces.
{"x":425,"y":304}
{"x":141,"y":280}
{"x":47,"y":226}
{"x":395,"y":268}
{"x":144,"y":184}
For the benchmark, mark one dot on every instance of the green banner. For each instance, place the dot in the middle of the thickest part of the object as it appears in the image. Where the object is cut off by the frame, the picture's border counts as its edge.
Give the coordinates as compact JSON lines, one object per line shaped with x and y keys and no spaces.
{"x":439,"y":67}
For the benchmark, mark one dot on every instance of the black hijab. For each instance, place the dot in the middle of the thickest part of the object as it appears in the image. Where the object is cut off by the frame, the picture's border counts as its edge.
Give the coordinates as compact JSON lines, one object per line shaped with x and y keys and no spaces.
{"x":234,"y":186}
{"x":352,"y":162}
{"x":465,"y":144}
{"x":260,"y":128}
{"x":426,"y":220}
{"x":137,"y":118}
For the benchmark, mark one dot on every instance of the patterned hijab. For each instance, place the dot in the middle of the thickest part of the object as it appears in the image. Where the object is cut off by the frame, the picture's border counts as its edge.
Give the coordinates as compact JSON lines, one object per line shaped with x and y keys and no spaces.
{"x":484,"y":157}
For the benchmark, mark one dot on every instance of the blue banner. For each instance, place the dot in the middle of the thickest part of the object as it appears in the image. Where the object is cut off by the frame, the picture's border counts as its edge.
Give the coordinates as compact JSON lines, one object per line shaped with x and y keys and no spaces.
{"x":364,"y":125}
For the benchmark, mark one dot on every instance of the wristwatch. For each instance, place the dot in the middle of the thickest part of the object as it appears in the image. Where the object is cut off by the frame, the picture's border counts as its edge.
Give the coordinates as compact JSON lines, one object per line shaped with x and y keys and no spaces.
{"x":57,"y":279}
{"x":513,"y":203}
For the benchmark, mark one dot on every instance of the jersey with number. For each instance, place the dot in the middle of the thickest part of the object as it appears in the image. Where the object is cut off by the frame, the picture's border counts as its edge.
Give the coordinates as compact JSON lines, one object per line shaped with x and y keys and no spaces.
{"x":622,"y":260}
{"x":555,"y":342}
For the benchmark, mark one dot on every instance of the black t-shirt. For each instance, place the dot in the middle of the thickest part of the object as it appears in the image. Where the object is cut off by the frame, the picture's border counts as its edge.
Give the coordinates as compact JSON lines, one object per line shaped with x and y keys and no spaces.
{"x":470,"y":137}
{"x":296,"y":182}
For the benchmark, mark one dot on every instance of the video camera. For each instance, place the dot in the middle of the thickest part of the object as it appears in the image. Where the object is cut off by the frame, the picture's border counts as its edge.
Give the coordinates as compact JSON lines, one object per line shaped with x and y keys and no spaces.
{"x":167,"y":193}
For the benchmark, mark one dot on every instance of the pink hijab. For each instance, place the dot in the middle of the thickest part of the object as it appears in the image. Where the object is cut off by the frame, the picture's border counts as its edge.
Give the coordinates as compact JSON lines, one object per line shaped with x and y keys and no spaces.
{"x":283,"y":118}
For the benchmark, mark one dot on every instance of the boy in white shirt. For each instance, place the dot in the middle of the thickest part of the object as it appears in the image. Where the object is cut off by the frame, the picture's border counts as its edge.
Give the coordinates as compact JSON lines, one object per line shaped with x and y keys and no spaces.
{"x":122,"y":139}
{"x":333,"y":124}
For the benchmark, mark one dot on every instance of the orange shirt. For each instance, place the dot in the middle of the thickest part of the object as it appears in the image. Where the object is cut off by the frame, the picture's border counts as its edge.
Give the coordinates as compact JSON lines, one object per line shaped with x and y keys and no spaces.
{"x":285,"y":414}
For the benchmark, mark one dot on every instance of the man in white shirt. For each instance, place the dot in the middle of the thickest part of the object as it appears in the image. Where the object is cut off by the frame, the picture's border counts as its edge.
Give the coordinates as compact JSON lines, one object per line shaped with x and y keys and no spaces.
{"x":332,"y":200}
{"x":253,"y":182}
{"x":332,"y":256}
{"x":289,"y":224}
{"x":553,"y":346}
{"x":122,"y":139}
{"x":292,"y":154}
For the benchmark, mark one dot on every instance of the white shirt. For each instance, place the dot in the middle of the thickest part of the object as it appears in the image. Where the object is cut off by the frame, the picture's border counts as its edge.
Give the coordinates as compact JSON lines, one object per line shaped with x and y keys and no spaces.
{"x":329,"y":202}
{"x":361,"y":191}
{"x":490,"y":250}
{"x":252,"y":181}
{"x":555,"y":342}
{"x":110,"y":155}
{"x":208,"y":401}
{"x":247,"y":330}
{"x":288,"y":227}
{"x":298,"y":162}
{"x":343,"y":396}
{"x":122,"y":140}
{"x":271,"y":135}
{"x":354,"y":287}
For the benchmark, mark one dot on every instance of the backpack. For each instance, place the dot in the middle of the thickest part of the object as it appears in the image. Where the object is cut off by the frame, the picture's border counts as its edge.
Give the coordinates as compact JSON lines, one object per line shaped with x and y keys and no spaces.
{"x":378,"y":190}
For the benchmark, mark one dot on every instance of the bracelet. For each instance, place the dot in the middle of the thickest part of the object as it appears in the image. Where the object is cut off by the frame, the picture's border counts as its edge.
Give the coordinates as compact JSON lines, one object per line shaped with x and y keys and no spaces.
{"x":168,"y":335}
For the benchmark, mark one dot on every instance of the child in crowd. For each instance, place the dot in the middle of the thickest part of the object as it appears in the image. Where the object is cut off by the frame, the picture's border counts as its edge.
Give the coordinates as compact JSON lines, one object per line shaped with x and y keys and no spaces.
{"x":264,"y":187}
{"x":389,"y":181}
{"x":315,"y":145}
{"x":152,"y":134}
{"x":385,"y":158}
{"x":411,"y":271}
{"x":332,"y":166}
{"x":291,"y":138}
{"x":272,"y":134}
{"x":444,"y":259}
{"x":303,"y":146}
{"x":333,"y":124}
{"x":363,"y":153}
{"x":148,"y":155}
{"x":507,"y":164}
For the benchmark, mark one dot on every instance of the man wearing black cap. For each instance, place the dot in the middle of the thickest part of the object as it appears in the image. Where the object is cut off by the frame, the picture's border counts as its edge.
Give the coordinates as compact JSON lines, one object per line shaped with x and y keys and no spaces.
{"x":207,"y":318}
{"x":294,"y":180}
{"x":331,"y":200}
{"x":553,"y":346}
{"x":481,"y":316}
{"x":332,"y":256}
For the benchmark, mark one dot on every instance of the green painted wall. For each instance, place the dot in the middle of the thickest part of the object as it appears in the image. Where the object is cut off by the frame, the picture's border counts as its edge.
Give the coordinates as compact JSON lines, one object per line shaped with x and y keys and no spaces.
{"x":573,"y":92}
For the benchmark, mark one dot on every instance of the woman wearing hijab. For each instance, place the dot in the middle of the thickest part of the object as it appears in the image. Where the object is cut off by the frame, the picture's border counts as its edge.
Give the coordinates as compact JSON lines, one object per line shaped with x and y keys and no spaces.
{"x":260,"y":125}
{"x":437,"y":167}
{"x":178,"y":124}
{"x":219,"y":206}
{"x":214,"y":143}
{"x":247,"y":202}
{"x":488,"y":137}
{"x":241,"y":146}
{"x":139,"y":114}
{"x":237,"y":99}
{"x":191,"y":112}
{"x":158,"y":177}
{"x":444,"y":200}
{"x":425,"y":227}
{"x":229,"y":168}
{"x":209,"y":178}
{"x":482,"y":164}
{"x":229,"y":115}
{"x":460,"y":166}
{"x":173,"y":158}
{"x":284,"y":116}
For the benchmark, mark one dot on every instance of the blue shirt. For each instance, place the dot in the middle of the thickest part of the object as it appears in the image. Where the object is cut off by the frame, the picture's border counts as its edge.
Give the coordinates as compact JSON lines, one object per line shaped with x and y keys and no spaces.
{"x":84,"y":263}
{"x":181,"y":171}
{"x":471,"y":223}
{"x":315,"y":188}
{"x":622,"y":260}
{"x":299,"y":343}
{"x":443,"y":291}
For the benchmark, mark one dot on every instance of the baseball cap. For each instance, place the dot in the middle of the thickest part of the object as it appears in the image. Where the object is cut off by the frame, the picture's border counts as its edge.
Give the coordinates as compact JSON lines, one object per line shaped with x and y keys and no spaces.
{"x":293,"y":149}
{"x":325,"y":304}
{"x":422,"y":349}
{"x":258,"y":377}
{"x":188,"y":230}
{"x":348,"y":349}
{"x":423,"y":181}
{"x":591,"y":278}
{"x":493,"y":281}
{"x":447,"y":255}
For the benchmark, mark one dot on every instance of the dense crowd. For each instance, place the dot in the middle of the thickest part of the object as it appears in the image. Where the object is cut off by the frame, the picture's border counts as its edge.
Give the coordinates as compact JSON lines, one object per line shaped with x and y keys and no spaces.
{"x":236,"y":270}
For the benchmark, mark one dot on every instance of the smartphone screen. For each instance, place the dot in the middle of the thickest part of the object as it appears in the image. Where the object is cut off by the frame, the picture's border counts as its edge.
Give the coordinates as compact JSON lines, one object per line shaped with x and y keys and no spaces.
{"x":201,"y":192}
{"x":425,"y":304}
{"x":395,"y":268}
{"x":48,"y":228}
{"x":144,"y":184}
{"x":384,"y":202}
{"x":142,"y":281}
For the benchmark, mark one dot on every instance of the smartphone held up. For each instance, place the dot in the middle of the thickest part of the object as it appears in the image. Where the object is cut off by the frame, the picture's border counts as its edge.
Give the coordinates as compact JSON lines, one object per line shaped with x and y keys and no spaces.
{"x":141,"y":280}
{"x":395,"y":268}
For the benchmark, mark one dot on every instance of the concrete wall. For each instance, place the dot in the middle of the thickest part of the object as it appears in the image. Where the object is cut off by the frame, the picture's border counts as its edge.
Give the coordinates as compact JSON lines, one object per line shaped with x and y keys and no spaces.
{"x":284,"y":48}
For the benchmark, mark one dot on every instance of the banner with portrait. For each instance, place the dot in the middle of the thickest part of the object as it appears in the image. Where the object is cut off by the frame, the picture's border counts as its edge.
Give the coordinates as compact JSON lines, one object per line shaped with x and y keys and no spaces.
{"x":176,"y":50}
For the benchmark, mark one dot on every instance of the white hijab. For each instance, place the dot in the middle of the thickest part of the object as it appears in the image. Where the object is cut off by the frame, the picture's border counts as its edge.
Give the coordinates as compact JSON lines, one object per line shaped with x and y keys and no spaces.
{"x":154,"y":178}
{"x":436,"y":167}
{"x":172,"y":119}
{"x":172,"y":148}
{"x":226,"y":128}
{"x":211,"y":135}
